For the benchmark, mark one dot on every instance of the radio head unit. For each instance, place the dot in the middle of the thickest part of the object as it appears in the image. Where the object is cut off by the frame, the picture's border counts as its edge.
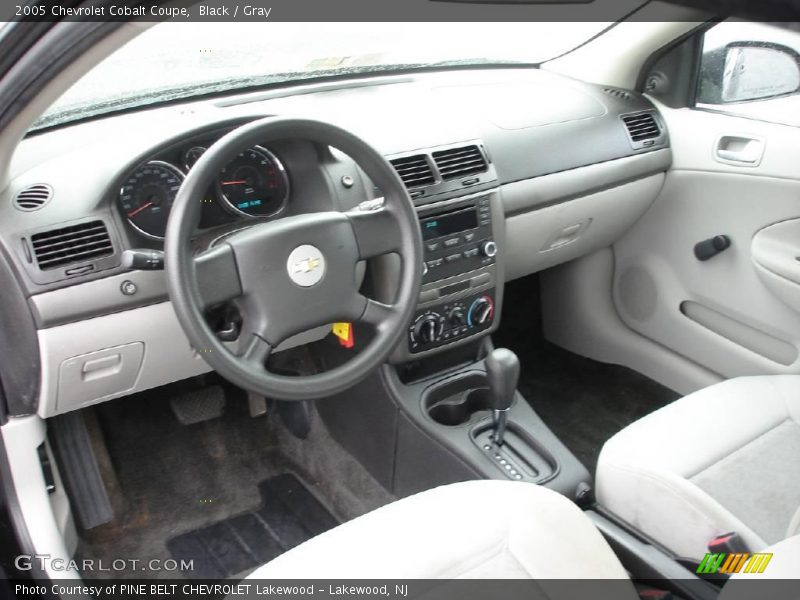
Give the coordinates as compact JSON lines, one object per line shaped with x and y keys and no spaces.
{"x":457,"y":239}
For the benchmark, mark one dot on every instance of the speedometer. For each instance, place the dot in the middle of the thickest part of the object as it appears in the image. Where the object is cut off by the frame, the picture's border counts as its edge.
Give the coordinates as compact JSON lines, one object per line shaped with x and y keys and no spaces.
{"x":254,"y":184}
{"x":147,"y":195}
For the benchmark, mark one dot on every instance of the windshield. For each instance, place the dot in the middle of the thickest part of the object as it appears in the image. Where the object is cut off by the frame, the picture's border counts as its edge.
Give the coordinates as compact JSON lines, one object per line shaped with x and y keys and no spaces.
{"x":172,"y":60}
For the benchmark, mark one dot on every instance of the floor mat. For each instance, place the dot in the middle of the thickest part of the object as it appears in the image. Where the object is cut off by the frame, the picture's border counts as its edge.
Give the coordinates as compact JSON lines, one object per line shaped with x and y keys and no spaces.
{"x":289,"y":516}
{"x":169,"y":479}
{"x":583,"y":401}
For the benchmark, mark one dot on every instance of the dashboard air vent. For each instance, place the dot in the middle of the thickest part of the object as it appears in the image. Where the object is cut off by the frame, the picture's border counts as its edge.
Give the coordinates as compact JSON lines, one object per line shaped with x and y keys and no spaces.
{"x":459,"y":162}
{"x":76,"y":243}
{"x":33,"y":197}
{"x":618,"y":93}
{"x":642,"y":127}
{"x":415,"y":171}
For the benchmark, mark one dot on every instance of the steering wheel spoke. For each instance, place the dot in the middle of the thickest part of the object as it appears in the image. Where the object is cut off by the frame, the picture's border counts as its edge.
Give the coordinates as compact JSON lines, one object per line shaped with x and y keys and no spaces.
{"x":217,"y":275}
{"x":377,"y":232}
{"x":375,"y":313}
{"x":255,"y":351}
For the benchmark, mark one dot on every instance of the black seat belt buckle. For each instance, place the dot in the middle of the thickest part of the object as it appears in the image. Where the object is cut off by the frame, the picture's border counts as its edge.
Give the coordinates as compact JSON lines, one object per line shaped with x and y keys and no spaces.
{"x":729,"y":543}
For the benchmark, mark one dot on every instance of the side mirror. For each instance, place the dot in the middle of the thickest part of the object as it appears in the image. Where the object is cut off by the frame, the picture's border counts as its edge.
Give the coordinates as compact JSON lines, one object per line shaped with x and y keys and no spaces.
{"x":746,"y":71}
{"x":757,"y":71}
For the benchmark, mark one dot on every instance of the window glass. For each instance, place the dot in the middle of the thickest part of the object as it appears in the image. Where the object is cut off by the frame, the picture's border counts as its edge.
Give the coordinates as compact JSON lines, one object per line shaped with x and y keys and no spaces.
{"x":173,"y":60}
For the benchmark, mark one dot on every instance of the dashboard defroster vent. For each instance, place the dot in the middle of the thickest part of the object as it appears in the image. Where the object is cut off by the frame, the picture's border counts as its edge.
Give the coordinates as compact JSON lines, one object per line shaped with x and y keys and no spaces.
{"x":77,"y":243}
{"x":33,"y":197}
{"x":618,"y":93}
{"x":642,"y":127}
{"x":459,"y":162}
{"x":415,"y":171}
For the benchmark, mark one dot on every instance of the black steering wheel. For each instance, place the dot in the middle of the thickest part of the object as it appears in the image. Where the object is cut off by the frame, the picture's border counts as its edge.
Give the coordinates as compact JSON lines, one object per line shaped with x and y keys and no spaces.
{"x":293,"y":274}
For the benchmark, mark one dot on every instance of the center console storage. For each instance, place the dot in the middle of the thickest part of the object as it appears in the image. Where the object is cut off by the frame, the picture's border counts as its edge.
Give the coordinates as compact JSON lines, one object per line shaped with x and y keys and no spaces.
{"x":458,"y":402}
{"x":464,"y":401}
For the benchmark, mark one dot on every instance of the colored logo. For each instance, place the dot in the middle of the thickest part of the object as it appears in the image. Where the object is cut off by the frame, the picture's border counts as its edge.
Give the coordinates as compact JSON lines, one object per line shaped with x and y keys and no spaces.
{"x":728,"y":563}
{"x":307,"y":265}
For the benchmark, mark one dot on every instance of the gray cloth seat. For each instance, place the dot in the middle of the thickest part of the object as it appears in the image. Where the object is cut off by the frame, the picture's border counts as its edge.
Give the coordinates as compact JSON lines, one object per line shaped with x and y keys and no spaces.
{"x":483,"y":530}
{"x":725,"y":458}
{"x":469,"y":530}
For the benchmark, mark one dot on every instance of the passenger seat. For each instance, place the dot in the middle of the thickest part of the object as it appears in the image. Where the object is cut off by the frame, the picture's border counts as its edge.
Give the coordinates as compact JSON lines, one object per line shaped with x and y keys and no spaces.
{"x":723,"y":459}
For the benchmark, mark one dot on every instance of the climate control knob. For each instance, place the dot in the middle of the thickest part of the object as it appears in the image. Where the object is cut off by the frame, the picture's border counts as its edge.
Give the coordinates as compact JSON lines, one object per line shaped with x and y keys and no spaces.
{"x":481,"y":311}
{"x":489,"y":249}
{"x":456,"y":317}
{"x":427,"y":328}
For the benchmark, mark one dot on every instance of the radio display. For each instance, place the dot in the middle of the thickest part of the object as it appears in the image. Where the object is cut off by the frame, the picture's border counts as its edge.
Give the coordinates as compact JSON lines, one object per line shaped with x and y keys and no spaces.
{"x":450,"y":223}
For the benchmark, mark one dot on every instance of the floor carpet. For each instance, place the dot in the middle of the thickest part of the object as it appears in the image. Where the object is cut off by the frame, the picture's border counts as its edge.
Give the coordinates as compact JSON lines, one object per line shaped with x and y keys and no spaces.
{"x":169,"y":479}
{"x":289,"y":515}
{"x":583,"y":401}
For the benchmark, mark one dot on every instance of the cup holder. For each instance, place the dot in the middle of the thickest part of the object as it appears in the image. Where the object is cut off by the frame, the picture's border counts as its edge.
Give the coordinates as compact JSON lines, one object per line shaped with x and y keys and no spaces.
{"x":455,"y":402}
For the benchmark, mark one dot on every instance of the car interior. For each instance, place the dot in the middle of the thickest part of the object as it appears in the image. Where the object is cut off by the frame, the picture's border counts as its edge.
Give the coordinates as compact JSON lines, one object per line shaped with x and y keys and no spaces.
{"x":496,"y":320}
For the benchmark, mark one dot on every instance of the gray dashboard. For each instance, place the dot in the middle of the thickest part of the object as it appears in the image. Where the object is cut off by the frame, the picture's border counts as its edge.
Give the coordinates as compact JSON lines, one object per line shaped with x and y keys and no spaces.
{"x":532,"y":126}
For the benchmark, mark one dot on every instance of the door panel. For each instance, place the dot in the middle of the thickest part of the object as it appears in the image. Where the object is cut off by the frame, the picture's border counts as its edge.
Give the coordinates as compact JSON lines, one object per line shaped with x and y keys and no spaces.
{"x":731,"y":313}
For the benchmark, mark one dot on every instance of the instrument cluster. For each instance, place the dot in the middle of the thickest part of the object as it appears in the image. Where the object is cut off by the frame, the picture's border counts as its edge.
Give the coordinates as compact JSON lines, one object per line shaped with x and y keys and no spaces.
{"x":253,"y":185}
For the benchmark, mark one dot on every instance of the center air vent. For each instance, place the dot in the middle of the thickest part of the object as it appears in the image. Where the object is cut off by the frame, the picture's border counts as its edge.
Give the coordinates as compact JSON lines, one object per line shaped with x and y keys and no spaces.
{"x":642,"y":127}
{"x":33,"y":197}
{"x":415,"y":171}
{"x":77,"y":243}
{"x":459,"y":162}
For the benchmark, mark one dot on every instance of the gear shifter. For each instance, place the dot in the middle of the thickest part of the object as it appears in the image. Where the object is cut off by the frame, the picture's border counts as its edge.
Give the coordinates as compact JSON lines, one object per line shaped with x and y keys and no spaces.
{"x":502,"y":372}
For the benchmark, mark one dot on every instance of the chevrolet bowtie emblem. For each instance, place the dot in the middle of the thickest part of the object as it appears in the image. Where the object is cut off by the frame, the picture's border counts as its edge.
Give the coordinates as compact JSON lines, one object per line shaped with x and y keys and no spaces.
{"x":307,"y":265}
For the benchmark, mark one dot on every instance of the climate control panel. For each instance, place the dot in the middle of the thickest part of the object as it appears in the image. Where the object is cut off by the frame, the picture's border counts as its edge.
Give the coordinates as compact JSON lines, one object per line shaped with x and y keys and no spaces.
{"x":451,"y":321}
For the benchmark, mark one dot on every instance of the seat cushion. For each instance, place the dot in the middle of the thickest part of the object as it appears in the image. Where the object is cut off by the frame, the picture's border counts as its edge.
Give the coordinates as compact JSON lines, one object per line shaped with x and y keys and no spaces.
{"x":722,"y":459}
{"x":475,"y":529}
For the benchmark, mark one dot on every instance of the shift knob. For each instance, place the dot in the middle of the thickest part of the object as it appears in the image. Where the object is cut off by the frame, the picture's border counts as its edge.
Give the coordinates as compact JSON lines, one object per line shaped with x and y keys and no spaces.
{"x":502,"y":373}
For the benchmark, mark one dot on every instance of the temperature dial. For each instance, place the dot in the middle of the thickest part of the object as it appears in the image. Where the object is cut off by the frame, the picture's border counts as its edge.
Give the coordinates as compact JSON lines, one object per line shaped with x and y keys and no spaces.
{"x":481,"y":311}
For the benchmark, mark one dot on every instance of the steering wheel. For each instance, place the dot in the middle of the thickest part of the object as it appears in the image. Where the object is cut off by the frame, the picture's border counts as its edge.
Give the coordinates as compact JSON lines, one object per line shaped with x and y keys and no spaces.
{"x":292,"y":274}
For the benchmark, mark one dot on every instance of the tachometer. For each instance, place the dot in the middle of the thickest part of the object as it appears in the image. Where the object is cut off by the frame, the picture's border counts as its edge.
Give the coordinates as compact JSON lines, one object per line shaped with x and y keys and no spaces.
{"x":147,"y":195}
{"x":254,"y":184}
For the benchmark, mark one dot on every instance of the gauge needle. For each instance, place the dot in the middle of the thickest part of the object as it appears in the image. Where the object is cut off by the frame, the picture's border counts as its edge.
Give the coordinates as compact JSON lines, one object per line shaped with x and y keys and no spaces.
{"x":133,"y":213}
{"x":234,"y":182}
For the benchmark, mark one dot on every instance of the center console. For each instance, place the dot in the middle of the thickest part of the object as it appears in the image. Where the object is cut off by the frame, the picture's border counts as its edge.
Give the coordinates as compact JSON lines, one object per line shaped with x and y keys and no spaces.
{"x":456,"y":194}
{"x":457,"y":238}
{"x":459,"y":253}
{"x":461,"y":294}
{"x":446,"y":407}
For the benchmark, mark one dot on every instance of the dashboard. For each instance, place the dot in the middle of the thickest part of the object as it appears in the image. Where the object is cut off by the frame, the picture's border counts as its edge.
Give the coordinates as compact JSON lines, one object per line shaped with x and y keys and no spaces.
{"x":511,"y":170}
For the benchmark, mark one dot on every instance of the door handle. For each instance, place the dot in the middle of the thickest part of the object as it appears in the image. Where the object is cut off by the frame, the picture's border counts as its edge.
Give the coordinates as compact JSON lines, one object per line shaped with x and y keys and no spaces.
{"x":739,"y":150}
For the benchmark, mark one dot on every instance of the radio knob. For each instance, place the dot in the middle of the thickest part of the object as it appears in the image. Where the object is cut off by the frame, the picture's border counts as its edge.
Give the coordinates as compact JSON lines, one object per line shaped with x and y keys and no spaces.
{"x":481,"y":311}
{"x":426,"y":329}
{"x":489,"y":249}
{"x":456,"y":317}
